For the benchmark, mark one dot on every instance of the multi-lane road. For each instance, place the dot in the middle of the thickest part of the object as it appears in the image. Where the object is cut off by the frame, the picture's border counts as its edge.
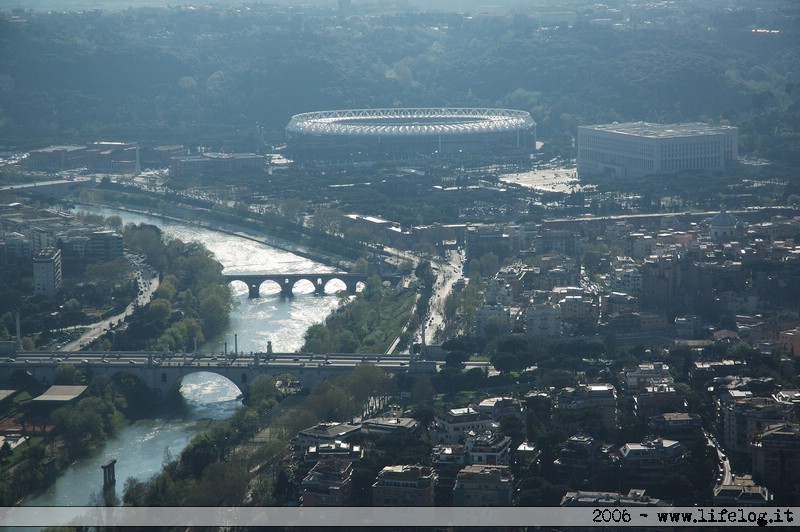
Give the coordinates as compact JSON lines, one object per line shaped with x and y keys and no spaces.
{"x":147,"y":283}
{"x":202,"y":359}
{"x":447,"y":273}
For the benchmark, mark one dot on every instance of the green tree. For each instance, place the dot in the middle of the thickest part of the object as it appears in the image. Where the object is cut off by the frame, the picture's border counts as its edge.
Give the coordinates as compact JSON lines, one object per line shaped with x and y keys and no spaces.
{"x":222,"y":483}
{"x":330,"y":402}
{"x":167,"y":288}
{"x":67,"y":374}
{"x":261,"y":392}
{"x":367,"y":380}
{"x":114,"y":222}
{"x":159,"y":310}
{"x":422,"y":388}
{"x":214,"y":312}
{"x":361,"y":266}
{"x":317,"y":339}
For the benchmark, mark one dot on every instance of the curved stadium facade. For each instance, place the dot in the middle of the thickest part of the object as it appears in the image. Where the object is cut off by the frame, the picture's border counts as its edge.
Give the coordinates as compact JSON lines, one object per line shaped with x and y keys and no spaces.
{"x":359,"y":135}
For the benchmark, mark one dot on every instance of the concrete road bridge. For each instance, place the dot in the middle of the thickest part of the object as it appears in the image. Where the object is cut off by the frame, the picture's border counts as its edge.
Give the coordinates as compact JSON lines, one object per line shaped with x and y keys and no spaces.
{"x":288,"y":281}
{"x":163,"y":372}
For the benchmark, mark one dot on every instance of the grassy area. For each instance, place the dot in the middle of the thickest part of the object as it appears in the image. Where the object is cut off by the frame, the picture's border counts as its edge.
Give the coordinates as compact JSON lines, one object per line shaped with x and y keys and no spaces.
{"x":21,"y":397}
{"x":18,"y":454}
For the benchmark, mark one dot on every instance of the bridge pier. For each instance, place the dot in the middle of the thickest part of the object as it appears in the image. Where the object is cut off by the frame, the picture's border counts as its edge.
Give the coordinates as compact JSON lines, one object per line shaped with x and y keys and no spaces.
{"x":286,"y":288}
{"x":319,"y":286}
{"x":351,"y":287}
{"x":253,"y":290}
{"x":109,"y":475}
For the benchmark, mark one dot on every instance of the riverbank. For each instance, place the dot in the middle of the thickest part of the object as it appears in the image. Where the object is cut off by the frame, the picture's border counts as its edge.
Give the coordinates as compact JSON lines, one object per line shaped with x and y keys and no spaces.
{"x":189,"y":216}
{"x":141,"y":448}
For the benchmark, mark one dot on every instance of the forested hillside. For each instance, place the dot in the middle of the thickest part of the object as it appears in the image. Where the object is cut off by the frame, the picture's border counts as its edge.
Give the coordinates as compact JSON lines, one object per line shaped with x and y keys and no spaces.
{"x":210,"y":76}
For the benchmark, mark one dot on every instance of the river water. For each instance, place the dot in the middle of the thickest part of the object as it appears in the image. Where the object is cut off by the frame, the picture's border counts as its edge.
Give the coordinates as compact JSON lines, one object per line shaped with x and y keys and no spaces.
{"x":140,"y":448}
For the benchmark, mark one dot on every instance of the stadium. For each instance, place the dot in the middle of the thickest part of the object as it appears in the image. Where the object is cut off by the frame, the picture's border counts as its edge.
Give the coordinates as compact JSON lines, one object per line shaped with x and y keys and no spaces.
{"x":361,"y":135}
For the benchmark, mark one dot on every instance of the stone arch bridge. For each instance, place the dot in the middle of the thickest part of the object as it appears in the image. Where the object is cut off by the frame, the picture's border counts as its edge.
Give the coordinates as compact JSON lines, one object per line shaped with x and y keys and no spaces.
{"x":287,"y":281}
{"x":163,"y":373}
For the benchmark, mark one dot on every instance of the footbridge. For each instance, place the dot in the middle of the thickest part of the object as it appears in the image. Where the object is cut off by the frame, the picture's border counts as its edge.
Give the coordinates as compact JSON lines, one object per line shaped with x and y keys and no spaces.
{"x":163,"y":372}
{"x":288,"y":281}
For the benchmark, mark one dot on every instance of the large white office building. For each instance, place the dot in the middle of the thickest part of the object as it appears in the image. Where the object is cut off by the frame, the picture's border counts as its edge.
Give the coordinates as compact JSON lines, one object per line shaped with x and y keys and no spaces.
{"x":635,"y":149}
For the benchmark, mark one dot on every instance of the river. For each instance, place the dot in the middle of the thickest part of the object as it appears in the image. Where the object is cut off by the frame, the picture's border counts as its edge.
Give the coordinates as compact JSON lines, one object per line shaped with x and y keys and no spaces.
{"x":141,"y":447}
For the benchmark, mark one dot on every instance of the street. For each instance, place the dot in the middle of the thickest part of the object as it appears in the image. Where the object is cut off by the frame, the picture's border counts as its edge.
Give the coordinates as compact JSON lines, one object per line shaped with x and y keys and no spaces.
{"x":147,"y":280}
{"x":447,"y":273}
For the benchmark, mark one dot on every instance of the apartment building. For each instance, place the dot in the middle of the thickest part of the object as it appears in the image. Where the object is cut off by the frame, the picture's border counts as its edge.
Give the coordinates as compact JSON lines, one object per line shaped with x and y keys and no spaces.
{"x":776,"y":459}
{"x":744,"y":418}
{"x":404,"y":485}
{"x":483,"y":485}
{"x":329,"y":483}
{"x":47,"y":272}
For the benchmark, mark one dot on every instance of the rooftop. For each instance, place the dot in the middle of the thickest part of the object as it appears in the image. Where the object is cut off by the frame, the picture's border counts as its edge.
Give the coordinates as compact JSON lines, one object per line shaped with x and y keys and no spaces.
{"x":61,"y":393}
{"x":655,"y":131}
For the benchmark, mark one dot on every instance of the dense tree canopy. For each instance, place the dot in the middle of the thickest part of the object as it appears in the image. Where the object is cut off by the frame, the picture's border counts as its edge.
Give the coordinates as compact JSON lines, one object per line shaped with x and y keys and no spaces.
{"x":201,"y":75}
{"x":192,"y":302}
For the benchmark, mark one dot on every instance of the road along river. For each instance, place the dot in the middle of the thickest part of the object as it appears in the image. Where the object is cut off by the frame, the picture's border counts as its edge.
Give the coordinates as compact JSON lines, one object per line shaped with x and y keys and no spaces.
{"x":141,"y":447}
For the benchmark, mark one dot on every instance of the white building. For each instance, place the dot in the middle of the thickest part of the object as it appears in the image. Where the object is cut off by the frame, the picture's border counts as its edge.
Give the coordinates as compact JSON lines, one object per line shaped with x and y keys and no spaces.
{"x":47,"y":272}
{"x":636,"y":149}
{"x":627,"y":280}
{"x":647,"y":463}
{"x":498,"y":292}
{"x":454,"y":425}
{"x":643,"y":375}
{"x":488,"y":447}
{"x":579,"y":309}
{"x":543,"y":320}
{"x":484,"y":313}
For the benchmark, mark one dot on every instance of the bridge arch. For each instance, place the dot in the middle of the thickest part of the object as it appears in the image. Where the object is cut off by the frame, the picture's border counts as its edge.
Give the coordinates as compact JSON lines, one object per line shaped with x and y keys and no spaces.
{"x":287,"y":282}
{"x":267,"y":287}
{"x":224,"y":388}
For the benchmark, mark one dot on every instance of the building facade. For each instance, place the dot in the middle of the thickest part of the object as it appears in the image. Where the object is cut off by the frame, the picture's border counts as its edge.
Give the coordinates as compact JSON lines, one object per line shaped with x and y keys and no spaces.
{"x":489,"y":448}
{"x":483,"y":485}
{"x":776,"y":460}
{"x":790,"y":339}
{"x":329,"y":483}
{"x":648,"y":374}
{"x":47,"y":272}
{"x":404,"y":485}
{"x":744,"y":418}
{"x":454,"y":425}
{"x":577,"y":406}
{"x":216,"y":163}
{"x":637,"y":149}
{"x":543,"y":320}
{"x":646,"y":464}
